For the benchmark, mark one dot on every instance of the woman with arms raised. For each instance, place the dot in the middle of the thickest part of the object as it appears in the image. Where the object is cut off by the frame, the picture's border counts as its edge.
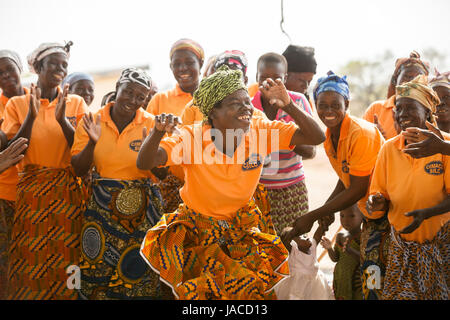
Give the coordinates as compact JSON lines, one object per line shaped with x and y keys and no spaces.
{"x":218,"y":244}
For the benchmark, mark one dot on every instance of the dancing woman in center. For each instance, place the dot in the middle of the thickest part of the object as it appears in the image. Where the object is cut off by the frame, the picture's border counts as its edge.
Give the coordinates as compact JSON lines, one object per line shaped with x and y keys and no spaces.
{"x":218,"y":244}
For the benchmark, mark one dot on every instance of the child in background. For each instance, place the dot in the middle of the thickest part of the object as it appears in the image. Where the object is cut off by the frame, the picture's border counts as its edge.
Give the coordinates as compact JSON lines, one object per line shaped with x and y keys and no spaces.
{"x":347,"y":275}
{"x":306,"y":282}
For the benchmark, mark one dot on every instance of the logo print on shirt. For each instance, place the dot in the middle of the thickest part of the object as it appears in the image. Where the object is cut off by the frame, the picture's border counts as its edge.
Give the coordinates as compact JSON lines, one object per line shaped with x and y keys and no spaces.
{"x":345,"y":166}
{"x":434,"y":167}
{"x":135,"y":145}
{"x":253,"y":162}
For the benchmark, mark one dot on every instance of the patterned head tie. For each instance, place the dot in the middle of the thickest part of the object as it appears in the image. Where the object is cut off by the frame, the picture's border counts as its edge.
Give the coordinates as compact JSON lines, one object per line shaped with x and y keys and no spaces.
{"x":12,"y":55}
{"x":217,"y":87}
{"x":419,"y":90}
{"x":400,"y":63}
{"x":188,"y":44}
{"x":136,"y":76}
{"x":75,"y":77}
{"x":440,"y":80}
{"x":334,"y":83}
{"x":46,"y":49}
{"x":232,"y":58}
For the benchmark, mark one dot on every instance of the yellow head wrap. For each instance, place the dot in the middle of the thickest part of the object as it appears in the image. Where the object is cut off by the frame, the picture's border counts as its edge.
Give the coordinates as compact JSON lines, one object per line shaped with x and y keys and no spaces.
{"x":216,"y":87}
{"x":419,"y":90}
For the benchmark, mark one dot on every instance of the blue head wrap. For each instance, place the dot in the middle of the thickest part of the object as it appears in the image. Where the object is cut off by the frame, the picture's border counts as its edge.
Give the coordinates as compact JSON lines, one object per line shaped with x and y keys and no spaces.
{"x":334,"y":83}
{"x":75,"y":77}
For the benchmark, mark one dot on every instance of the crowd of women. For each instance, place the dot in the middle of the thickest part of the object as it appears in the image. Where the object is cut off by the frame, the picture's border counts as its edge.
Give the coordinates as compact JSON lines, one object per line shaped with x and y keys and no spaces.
{"x":199,"y":192}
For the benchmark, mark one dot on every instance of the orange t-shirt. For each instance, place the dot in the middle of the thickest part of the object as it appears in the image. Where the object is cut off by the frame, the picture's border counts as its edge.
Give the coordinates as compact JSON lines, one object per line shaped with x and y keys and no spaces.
{"x":115,"y":153}
{"x":221,"y":189}
{"x":172,"y":101}
{"x":8,"y":178}
{"x":357,"y":151}
{"x":47,"y":146}
{"x":385,"y":113}
{"x":411,"y":184}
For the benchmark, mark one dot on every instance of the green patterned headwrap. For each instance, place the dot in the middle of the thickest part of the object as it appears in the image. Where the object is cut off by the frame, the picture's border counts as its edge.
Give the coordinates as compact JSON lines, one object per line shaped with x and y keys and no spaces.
{"x":217,"y":87}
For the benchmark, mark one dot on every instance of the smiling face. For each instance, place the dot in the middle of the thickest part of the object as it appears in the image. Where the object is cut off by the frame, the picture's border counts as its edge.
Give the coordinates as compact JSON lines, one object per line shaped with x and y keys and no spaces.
{"x":299,"y":81}
{"x":9,"y":76}
{"x":331,"y":108}
{"x":130,"y":97}
{"x":52,"y":70}
{"x":443,"y":109}
{"x":410,"y":113}
{"x":186,"y":69}
{"x":85,"y":89}
{"x":234,"y":112}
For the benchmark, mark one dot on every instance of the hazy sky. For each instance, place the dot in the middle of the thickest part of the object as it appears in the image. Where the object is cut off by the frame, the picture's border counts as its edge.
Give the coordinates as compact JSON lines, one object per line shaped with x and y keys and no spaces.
{"x":114,"y":34}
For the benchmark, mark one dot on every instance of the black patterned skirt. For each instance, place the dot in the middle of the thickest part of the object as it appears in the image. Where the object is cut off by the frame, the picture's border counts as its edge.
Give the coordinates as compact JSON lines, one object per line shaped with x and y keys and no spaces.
{"x":418,"y":271}
{"x":118,"y":215}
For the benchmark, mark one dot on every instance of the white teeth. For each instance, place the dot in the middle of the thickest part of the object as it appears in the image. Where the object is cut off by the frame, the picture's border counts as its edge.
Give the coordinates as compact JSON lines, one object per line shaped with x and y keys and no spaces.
{"x":244,"y":118}
{"x":330,"y":118}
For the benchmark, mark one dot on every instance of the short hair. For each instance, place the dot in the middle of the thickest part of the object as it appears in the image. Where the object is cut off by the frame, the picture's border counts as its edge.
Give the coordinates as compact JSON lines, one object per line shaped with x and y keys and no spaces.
{"x":272,"y":57}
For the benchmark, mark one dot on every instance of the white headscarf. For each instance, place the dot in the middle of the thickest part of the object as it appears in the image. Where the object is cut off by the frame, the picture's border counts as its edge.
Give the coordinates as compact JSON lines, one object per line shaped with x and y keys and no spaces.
{"x":46,"y":49}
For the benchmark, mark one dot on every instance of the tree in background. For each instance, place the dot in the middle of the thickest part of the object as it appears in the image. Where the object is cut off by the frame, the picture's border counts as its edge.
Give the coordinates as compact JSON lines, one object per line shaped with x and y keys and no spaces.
{"x":369,"y":78}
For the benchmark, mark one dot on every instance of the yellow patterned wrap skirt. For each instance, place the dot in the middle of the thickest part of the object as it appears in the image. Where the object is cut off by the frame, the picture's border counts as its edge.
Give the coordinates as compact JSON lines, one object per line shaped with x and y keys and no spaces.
{"x":201,"y":258}
{"x":45,"y":237}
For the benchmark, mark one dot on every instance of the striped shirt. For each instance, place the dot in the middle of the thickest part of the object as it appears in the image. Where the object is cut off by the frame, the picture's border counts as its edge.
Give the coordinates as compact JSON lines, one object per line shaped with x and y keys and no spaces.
{"x":286,"y":167}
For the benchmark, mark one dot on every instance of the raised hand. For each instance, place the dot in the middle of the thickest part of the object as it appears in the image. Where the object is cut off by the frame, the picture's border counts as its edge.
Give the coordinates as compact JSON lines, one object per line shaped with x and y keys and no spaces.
{"x":423,"y":143}
{"x":60,"y":109}
{"x":13,"y":154}
{"x":376,"y":202}
{"x":35,"y":101}
{"x":167,"y":123}
{"x":326,"y":243}
{"x":93,"y":129}
{"x":275,"y":92}
{"x":418,"y":217}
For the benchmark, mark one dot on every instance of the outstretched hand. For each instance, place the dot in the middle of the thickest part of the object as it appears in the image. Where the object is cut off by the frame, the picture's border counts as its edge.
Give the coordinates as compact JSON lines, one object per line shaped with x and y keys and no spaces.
{"x":93,"y":129}
{"x":302,"y":225}
{"x":275,"y":92}
{"x":13,"y":154}
{"x":418,"y":217}
{"x":167,"y":122}
{"x":423,"y":143}
{"x":376,"y":202}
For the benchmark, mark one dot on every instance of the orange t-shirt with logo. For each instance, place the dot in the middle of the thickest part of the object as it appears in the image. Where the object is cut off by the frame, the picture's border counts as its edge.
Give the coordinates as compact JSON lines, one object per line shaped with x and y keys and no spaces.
{"x":115,"y":153}
{"x":47,"y":146}
{"x":357,"y":151}
{"x":411,"y":184}
{"x":385,"y":113}
{"x":220,"y":189}
{"x":9,"y":178}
